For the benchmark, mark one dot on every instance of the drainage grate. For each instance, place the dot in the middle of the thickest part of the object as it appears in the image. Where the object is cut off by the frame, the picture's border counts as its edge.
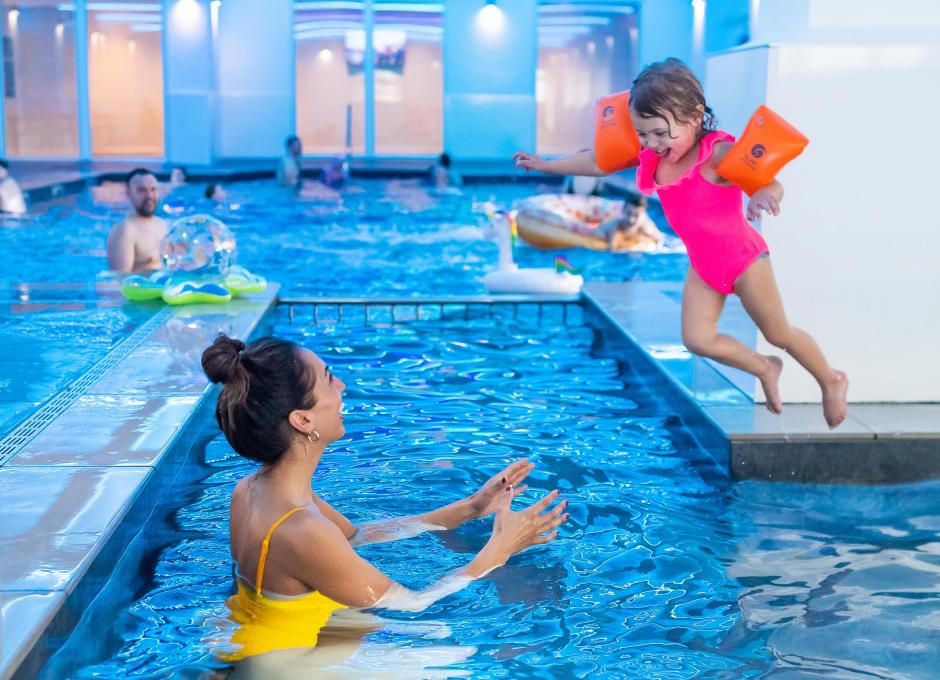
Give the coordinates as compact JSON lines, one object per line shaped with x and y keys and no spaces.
{"x":26,"y":431}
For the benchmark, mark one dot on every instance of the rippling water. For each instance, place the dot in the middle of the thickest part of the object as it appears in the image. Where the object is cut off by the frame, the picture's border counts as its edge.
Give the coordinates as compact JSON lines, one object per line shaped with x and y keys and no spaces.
{"x":665,"y":571}
{"x":418,"y":242}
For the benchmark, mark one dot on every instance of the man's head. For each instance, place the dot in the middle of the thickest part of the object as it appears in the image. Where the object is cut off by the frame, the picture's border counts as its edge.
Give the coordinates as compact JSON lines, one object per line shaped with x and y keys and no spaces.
{"x":143,"y":192}
{"x":293,"y":146}
{"x":4,"y":169}
{"x":215,"y":192}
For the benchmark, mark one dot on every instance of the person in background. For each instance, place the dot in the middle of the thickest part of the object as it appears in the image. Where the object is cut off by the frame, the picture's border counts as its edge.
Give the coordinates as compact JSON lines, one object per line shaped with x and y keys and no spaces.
{"x":216,"y":193}
{"x":336,"y":173}
{"x":288,"y":169}
{"x":134,"y":242}
{"x":11,"y":196}
{"x":441,"y":175}
{"x":635,"y":229}
{"x":177,"y":177}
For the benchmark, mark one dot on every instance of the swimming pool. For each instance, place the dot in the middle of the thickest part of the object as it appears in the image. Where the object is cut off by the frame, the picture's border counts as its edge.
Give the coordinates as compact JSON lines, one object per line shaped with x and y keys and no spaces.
{"x":665,"y":571}
{"x":60,"y":311}
{"x":381,"y":237}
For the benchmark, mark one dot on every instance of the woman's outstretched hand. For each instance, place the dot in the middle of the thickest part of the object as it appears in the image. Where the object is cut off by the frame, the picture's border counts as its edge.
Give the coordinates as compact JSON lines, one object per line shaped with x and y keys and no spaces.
{"x":528,"y":161}
{"x":515,"y":531}
{"x":485,"y":501}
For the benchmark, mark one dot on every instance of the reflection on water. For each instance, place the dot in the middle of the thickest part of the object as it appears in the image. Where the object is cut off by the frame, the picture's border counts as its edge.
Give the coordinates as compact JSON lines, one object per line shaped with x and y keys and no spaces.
{"x":417,"y":241}
{"x":841,"y":581}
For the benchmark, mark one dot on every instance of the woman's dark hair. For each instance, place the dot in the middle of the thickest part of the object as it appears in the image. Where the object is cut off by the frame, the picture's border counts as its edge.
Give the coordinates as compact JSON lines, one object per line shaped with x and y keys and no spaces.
{"x":261,"y":384}
{"x":670,"y":86}
{"x":210,"y":190}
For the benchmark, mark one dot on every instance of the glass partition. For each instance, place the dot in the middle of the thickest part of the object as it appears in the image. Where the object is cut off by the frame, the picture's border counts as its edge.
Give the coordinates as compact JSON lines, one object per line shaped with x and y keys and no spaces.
{"x":585,"y":52}
{"x":125,"y":78}
{"x":40,"y":100}
{"x":329,"y":40}
{"x":407,"y":40}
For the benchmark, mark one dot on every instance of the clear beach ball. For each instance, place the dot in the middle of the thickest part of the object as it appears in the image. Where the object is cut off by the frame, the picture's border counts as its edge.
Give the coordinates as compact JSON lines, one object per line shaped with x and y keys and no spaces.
{"x":198,"y":244}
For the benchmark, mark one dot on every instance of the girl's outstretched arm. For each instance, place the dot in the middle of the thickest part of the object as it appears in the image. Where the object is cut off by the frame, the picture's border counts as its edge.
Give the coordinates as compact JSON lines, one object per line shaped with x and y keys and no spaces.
{"x":581,"y":163}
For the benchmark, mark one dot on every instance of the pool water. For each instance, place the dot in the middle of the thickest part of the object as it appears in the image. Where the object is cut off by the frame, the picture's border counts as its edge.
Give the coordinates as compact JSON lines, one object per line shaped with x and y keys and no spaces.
{"x":664,"y":571}
{"x":379,"y":238}
{"x":50,"y":342}
{"x":60,"y":311}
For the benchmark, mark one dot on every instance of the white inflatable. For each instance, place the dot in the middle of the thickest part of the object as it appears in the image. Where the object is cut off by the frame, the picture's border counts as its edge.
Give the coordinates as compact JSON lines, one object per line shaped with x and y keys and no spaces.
{"x":508,"y":278}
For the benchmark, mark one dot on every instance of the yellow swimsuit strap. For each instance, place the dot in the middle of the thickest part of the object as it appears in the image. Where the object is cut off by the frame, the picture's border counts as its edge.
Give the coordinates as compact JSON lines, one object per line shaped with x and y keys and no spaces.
{"x":264,"y":548}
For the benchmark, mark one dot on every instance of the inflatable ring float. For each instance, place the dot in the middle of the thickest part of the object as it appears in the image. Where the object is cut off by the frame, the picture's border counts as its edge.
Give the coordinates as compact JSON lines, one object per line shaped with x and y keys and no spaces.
{"x":566,"y":220}
{"x":178,"y":289}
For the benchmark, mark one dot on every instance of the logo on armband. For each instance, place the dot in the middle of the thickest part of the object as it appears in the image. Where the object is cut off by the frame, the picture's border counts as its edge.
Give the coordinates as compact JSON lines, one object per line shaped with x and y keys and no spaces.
{"x":608,"y":111}
{"x":758,"y":150}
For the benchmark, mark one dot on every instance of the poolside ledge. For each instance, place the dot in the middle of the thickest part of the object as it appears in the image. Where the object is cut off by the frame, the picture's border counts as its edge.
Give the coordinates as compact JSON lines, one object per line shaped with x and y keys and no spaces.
{"x":83,"y":476}
{"x":879,"y":443}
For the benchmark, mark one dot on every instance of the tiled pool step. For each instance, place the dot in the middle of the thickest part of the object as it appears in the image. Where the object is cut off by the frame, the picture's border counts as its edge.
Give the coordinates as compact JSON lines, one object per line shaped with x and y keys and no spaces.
{"x":76,"y":491}
{"x":877,"y":444}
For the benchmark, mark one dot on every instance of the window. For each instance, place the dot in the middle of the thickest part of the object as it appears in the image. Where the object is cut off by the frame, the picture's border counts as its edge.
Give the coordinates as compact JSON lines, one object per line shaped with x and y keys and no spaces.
{"x":125,"y":78}
{"x":407,"y":39}
{"x":330,"y":46}
{"x":40,"y":101}
{"x":585,"y":52}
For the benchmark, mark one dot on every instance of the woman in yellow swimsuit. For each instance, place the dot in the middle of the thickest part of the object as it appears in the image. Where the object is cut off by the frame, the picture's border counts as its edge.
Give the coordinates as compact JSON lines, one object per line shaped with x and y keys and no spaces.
{"x":293,"y":552}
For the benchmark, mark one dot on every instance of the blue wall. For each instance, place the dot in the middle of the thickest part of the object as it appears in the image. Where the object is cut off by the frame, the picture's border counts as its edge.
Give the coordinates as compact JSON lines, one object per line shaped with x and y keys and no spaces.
{"x":665,"y":30}
{"x":489,"y":80}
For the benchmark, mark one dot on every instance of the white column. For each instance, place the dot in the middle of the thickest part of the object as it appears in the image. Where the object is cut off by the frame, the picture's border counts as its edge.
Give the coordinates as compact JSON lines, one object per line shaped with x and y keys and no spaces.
{"x":189,"y":82}
{"x":855,"y":247}
{"x":255,"y":77}
{"x":490,"y":56}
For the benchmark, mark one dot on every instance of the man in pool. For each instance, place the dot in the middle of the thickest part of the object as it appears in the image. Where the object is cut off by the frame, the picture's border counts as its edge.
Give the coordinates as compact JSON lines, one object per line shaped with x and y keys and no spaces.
{"x":134,"y":242}
{"x":288,"y":168}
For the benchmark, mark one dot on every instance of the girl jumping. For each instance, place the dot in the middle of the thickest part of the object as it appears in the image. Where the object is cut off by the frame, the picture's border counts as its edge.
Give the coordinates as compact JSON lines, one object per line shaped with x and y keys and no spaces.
{"x":681,"y":149}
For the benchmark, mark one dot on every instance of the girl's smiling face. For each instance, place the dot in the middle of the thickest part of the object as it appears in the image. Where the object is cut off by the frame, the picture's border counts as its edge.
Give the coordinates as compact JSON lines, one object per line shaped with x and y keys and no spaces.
{"x":667,"y":138}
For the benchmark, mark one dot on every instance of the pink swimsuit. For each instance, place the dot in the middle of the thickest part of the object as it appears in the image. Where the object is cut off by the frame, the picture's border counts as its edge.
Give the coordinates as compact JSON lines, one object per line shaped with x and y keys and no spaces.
{"x":708,"y":218}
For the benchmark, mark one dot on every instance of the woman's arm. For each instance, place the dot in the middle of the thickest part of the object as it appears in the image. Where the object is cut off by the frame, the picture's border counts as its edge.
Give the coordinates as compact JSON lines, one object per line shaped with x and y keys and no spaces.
{"x":479,"y":504}
{"x":581,"y":163}
{"x":323,"y":559}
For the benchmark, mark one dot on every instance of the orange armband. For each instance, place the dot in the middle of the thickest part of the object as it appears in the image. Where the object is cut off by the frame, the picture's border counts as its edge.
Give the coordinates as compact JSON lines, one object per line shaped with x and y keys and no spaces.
{"x":616,"y":144}
{"x":768,"y":143}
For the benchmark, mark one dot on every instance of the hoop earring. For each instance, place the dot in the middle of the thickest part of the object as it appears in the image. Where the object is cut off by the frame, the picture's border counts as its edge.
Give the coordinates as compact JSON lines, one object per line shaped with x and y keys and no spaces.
{"x":312,"y":441}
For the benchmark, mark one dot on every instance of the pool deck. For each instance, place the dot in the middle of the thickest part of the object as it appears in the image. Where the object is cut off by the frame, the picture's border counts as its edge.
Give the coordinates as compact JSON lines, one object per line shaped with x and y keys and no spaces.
{"x":79,"y":478}
{"x":84,"y":475}
{"x":885,"y":443}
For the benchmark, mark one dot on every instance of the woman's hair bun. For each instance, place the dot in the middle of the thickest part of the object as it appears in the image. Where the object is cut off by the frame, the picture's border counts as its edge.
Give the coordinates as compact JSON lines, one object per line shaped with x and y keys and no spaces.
{"x":221,"y":360}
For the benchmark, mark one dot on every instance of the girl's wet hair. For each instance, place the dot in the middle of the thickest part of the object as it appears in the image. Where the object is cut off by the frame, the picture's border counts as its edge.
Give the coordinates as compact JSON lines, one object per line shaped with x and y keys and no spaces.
{"x":670,"y":86}
{"x":261,"y":384}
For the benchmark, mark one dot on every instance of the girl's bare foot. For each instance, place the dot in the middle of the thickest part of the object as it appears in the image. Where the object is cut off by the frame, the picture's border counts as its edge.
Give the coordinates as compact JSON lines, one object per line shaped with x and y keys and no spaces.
{"x":833,"y":396}
{"x":768,"y":380}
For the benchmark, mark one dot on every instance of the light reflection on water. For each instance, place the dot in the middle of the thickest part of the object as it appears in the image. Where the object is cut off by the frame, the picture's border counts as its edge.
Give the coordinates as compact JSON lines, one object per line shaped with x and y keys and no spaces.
{"x":382,"y":237}
{"x":659,"y":574}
